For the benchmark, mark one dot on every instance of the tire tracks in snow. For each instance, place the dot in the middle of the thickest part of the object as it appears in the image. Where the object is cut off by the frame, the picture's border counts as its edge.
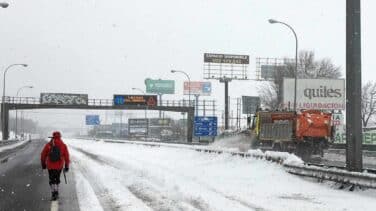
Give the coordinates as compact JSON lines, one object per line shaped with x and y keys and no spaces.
{"x":156,"y":203}
{"x":227,"y":196}
{"x":104,"y":197}
{"x":150,"y":195}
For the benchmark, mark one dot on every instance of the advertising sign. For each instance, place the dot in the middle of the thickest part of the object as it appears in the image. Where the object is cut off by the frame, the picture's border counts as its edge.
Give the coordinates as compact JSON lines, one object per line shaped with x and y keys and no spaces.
{"x":323,"y":94}
{"x":226,"y":58}
{"x":337,"y":119}
{"x":197,"y":88}
{"x":369,"y":137}
{"x":144,"y":100}
{"x":63,"y":99}
{"x":205,"y":126}
{"x":250,"y":104}
{"x":138,"y":126}
{"x":160,"y":86}
{"x":92,"y":120}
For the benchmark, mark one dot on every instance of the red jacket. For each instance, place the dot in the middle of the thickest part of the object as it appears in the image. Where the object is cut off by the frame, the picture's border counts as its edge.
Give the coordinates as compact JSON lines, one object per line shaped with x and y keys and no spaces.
{"x":64,"y":155}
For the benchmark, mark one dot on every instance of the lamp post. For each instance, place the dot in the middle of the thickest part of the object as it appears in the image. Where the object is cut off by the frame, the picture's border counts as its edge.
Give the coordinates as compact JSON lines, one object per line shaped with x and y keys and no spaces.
{"x":5,"y":136}
{"x":18,"y":91}
{"x":189,"y":83}
{"x":272,"y":21}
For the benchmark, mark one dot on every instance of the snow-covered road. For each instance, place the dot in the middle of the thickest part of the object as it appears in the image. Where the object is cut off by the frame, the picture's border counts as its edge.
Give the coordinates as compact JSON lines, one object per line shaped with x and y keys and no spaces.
{"x":112,"y":176}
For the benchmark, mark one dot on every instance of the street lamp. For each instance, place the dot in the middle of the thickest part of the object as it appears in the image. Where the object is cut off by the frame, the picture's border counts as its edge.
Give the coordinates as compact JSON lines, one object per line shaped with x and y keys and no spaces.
{"x":18,"y":91}
{"x":4,"y":4}
{"x":272,"y":21}
{"x":3,"y":98}
{"x":189,"y":83}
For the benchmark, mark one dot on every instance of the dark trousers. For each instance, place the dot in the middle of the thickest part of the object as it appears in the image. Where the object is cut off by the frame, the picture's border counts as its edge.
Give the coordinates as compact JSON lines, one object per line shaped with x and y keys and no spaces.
{"x":54,"y":176}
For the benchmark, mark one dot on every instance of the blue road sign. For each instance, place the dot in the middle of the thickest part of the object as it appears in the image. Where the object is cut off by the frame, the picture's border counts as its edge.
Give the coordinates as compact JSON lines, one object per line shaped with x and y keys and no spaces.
{"x":205,"y":126}
{"x":92,"y":120}
{"x":206,"y":87}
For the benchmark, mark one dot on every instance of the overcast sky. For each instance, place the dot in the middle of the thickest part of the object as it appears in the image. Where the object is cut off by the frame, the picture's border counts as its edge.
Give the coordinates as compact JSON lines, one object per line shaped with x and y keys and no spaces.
{"x":103,"y":47}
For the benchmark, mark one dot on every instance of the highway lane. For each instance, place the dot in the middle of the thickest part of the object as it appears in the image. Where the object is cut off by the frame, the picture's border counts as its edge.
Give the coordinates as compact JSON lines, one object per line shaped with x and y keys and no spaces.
{"x":23,"y":184}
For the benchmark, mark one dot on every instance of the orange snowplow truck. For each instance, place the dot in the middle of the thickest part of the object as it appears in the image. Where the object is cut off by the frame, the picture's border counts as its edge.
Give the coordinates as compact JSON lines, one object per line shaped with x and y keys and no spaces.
{"x":305,"y":133}
{"x":313,"y":124}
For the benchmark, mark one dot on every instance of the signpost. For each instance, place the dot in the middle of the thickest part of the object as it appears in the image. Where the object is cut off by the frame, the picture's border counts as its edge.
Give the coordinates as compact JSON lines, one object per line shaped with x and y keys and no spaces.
{"x":205,"y":126}
{"x":225,"y":68}
{"x":63,"y":99}
{"x":226,"y":58}
{"x":202,"y":88}
{"x":92,"y":120}
{"x":138,"y":100}
{"x":160,"y":86}
{"x":138,"y":127}
{"x":250,"y":104}
{"x":197,"y":88}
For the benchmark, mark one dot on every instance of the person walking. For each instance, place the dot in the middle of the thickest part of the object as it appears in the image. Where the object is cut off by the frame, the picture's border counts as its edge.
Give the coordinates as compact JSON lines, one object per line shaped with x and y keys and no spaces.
{"x":54,"y":157}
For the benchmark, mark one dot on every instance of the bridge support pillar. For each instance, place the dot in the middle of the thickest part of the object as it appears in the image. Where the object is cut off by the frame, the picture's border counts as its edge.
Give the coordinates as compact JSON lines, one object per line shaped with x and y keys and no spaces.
{"x":190,"y":118}
{"x":5,"y":121}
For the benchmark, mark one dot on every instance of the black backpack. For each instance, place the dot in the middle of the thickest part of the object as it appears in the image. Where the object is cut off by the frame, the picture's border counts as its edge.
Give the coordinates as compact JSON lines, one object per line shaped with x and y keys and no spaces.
{"x":54,"y":152}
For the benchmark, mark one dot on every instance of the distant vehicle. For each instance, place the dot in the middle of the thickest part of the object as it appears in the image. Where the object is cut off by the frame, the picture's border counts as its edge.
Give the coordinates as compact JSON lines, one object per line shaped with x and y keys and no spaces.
{"x":305,"y":133}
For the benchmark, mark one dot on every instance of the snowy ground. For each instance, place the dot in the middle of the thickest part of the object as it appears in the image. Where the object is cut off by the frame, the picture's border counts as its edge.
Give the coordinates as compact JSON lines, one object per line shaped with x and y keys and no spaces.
{"x":12,"y":145}
{"x":134,"y":177}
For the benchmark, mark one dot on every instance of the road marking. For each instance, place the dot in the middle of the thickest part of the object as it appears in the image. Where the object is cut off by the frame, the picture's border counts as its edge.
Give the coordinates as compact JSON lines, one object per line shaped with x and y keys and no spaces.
{"x":54,"y":206}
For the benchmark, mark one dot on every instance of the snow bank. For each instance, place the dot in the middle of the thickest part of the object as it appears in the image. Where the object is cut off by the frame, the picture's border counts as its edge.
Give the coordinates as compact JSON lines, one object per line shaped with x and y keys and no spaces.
{"x":239,"y":142}
{"x":11,"y":146}
{"x":183,"y":179}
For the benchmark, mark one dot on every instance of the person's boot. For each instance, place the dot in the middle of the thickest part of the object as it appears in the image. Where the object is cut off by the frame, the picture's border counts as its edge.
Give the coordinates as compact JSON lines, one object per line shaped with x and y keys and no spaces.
{"x":54,"y":196}
{"x":56,"y":191}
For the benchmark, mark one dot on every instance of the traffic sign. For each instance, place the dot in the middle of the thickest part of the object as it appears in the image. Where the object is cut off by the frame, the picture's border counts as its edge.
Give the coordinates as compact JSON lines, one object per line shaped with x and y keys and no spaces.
{"x":205,"y":126}
{"x":144,"y":100}
{"x":92,"y":120}
{"x":197,"y":88}
{"x":160,"y":86}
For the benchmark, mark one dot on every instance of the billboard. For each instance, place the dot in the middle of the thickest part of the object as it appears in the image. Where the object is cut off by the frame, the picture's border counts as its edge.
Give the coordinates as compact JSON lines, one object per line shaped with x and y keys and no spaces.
{"x":226,"y":58}
{"x":143,"y":100}
{"x":63,"y":99}
{"x":160,"y":86}
{"x":250,"y":104}
{"x":92,"y":120}
{"x":323,"y":94}
{"x":205,"y":126}
{"x":197,"y":88}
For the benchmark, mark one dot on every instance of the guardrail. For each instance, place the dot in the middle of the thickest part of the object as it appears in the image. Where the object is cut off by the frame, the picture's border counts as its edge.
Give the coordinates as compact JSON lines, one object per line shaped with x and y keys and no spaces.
{"x":333,"y":174}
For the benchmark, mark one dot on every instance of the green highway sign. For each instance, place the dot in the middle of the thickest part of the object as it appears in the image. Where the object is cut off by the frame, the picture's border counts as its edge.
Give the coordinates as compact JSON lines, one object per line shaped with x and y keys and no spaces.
{"x":160,"y":86}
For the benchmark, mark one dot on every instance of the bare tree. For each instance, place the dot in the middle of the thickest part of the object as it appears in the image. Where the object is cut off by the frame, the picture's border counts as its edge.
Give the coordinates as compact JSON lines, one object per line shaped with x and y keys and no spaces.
{"x":368,"y":102}
{"x":308,"y":67}
{"x":268,"y":93}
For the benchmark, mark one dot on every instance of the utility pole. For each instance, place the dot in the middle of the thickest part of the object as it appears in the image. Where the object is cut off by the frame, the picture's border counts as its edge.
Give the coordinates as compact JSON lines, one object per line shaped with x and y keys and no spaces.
{"x":354,"y":139}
